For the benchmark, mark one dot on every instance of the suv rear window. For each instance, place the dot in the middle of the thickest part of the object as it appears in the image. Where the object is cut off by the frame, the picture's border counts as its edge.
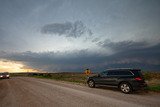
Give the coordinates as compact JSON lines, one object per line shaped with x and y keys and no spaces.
{"x":125,"y":73}
{"x":137,"y":73}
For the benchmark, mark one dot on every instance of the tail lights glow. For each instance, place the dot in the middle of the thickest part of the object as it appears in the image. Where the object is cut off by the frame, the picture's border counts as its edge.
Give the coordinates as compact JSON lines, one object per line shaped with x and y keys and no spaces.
{"x":138,"y":78}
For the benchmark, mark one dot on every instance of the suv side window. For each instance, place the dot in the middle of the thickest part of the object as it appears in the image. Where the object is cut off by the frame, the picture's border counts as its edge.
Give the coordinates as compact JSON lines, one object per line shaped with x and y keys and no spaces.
{"x":113,"y":73}
{"x":120,"y":73}
{"x":125,"y":73}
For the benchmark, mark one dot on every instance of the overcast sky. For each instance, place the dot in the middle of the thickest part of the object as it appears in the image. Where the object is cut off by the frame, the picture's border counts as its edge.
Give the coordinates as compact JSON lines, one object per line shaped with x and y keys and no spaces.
{"x":72,"y":35}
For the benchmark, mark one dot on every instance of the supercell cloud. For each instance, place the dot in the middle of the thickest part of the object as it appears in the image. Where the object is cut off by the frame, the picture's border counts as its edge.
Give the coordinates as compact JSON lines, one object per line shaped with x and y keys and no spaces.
{"x":78,"y":60}
{"x":69,"y":35}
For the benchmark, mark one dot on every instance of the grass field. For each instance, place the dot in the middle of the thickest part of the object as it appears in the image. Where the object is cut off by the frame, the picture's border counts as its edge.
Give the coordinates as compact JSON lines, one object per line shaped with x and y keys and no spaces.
{"x":152,"y":78}
{"x":153,"y":81}
{"x":71,"y":77}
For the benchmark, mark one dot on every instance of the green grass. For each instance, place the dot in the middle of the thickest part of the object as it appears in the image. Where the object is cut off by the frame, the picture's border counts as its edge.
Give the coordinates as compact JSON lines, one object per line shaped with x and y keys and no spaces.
{"x":155,"y":88}
{"x":70,"y":77}
{"x":153,"y":85}
{"x":151,"y":75}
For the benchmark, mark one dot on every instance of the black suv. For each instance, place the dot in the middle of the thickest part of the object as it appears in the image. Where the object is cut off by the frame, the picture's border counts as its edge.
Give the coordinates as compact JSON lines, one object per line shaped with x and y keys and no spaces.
{"x":126,"y":80}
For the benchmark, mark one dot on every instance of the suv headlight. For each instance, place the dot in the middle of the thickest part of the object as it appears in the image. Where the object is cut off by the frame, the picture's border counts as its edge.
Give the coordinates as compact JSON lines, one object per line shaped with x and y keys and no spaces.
{"x":1,"y":76}
{"x":7,"y":75}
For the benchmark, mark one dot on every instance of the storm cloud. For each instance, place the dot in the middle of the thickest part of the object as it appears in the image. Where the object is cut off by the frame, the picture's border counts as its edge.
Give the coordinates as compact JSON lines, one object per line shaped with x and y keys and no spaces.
{"x":126,"y":45}
{"x":68,"y":29}
{"x":145,"y":58}
{"x":69,"y":35}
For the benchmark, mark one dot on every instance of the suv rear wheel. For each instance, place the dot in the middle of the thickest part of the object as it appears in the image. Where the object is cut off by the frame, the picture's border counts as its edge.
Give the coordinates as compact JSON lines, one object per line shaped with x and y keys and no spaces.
{"x":91,"y":83}
{"x":125,"y":87}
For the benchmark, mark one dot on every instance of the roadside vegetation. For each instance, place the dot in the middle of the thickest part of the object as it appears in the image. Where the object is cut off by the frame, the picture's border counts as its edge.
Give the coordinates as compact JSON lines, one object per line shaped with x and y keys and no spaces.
{"x":153,"y":81}
{"x":70,"y":77}
{"x":152,"y":78}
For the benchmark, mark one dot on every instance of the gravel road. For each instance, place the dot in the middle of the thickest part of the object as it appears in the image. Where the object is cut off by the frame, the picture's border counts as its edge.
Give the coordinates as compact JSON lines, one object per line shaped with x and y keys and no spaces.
{"x":33,"y":92}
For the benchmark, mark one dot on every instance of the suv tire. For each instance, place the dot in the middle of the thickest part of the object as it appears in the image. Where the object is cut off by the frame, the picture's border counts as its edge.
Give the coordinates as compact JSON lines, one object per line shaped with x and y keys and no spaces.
{"x":91,"y":83}
{"x":125,"y":87}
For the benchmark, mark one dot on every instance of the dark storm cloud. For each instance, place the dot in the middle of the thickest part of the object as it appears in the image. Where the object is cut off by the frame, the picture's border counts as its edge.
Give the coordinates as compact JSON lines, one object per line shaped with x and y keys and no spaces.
{"x":123,"y":45}
{"x":145,"y":58}
{"x":116,"y":19}
{"x":55,"y":61}
{"x":57,"y":28}
{"x":68,"y":29}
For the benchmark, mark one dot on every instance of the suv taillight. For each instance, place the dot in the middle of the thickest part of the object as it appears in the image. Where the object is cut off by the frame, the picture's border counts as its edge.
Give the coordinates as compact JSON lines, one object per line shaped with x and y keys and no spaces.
{"x":138,"y":78}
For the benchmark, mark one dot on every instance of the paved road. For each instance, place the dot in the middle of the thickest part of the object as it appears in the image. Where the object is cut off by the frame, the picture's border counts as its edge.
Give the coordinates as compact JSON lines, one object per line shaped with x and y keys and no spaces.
{"x":33,"y":92}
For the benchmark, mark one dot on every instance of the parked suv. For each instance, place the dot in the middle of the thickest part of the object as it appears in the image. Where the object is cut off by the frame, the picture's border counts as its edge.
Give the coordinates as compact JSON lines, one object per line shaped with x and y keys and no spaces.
{"x":126,"y":80}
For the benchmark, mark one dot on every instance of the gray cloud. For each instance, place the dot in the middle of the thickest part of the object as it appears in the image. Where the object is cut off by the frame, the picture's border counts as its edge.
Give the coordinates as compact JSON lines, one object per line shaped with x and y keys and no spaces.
{"x":78,"y":60}
{"x":9,"y":42}
{"x":57,"y":28}
{"x":123,"y":45}
{"x":68,"y":29}
{"x":2,"y":35}
{"x":95,"y":40}
{"x":133,"y":21}
{"x":5,"y":40}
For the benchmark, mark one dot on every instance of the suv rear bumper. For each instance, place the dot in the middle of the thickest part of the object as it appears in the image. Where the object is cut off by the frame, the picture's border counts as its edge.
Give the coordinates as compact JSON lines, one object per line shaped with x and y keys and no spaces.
{"x":138,"y":86}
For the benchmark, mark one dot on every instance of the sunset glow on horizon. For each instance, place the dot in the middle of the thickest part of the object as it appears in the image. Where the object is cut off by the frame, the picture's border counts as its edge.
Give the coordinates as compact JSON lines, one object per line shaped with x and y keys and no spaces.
{"x":12,"y":67}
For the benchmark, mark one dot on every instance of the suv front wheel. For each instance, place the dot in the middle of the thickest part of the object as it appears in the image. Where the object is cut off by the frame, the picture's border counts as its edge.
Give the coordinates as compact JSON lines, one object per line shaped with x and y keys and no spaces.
{"x":125,"y":87}
{"x":91,"y":83}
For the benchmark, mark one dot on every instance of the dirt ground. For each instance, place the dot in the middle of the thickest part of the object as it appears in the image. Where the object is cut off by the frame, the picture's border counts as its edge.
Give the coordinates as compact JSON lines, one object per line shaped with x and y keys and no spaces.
{"x":33,"y":92}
